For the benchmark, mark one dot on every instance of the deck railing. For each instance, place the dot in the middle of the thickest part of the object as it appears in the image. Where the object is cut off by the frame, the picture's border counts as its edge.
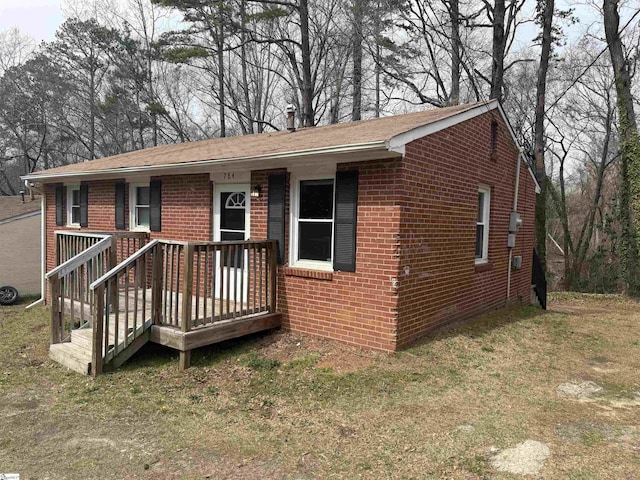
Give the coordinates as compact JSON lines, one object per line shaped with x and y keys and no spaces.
{"x":69,"y":243}
{"x":181,"y":285}
{"x":207,"y":282}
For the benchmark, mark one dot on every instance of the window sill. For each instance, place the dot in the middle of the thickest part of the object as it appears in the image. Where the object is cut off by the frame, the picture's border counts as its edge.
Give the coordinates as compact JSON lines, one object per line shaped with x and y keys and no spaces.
{"x":308,"y":273}
{"x":140,"y":229}
{"x":483,"y":266}
{"x":74,"y":226}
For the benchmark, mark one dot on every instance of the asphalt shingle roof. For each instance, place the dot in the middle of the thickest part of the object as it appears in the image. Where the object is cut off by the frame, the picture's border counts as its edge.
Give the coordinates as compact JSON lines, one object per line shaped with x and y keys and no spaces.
{"x":265,"y":144}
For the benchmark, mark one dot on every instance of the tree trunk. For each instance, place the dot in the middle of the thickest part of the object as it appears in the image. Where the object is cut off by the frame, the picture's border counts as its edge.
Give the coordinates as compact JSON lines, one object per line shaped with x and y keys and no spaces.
{"x":307,"y":87}
{"x":356,"y":113}
{"x":539,"y":137}
{"x":243,"y":63}
{"x":629,"y":152}
{"x":454,"y":18}
{"x":499,"y":39}
{"x":92,"y":115}
{"x":220,"y":53}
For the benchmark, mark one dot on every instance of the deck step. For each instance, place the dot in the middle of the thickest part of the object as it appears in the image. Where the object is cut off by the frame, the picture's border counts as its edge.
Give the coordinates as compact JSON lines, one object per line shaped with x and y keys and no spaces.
{"x":74,"y":357}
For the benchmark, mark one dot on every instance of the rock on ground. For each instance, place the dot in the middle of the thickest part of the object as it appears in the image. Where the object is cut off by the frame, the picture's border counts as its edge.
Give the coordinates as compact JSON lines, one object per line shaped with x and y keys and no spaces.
{"x":526,"y":458}
{"x":581,"y":391}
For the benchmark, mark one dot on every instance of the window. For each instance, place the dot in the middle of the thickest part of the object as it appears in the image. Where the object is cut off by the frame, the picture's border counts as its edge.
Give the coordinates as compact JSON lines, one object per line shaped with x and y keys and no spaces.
{"x":139,"y":195}
{"x":313,"y":224}
{"x":73,"y":205}
{"x":482,"y":225}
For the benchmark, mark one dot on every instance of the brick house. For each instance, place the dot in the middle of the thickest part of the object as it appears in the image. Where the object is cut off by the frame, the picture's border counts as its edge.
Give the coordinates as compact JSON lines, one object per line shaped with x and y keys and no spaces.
{"x":386,"y":228}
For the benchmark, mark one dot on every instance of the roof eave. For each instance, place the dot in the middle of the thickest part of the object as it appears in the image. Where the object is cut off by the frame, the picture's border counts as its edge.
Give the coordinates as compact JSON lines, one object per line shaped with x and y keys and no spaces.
{"x":397,"y":143}
{"x":369,"y":147}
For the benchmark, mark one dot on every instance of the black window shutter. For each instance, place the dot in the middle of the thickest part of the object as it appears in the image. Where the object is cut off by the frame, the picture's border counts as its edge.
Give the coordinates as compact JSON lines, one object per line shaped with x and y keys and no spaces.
{"x":155,"y":205}
{"x":344,"y":248}
{"x":120,"y":205}
{"x":59,"y":205}
{"x":275,"y":211}
{"x":84,"y":204}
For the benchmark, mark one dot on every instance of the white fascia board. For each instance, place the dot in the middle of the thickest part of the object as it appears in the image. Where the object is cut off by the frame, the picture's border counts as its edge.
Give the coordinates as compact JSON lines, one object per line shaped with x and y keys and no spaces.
{"x":397,"y":143}
{"x":380,"y":146}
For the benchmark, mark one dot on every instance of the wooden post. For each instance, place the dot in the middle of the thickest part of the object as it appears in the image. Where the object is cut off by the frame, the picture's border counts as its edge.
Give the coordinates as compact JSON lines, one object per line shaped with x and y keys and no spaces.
{"x":273,"y":275}
{"x":56,"y":323}
{"x":185,"y":360}
{"x":187,"y":287}
{"x":156,"y":285}
{"x":112,"y":260}
{"x":57,"y":248}
{"x":97,"y":360}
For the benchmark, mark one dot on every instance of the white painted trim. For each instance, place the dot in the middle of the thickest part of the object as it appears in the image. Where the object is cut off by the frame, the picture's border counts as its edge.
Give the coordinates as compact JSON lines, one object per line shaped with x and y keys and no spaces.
{"x":231,"y":176}
{"x":231,"y":187}
{"x":397,"y":143}
{"x":133,"y":227}
{"x":378,"y":146}
{"x":486,"y":189}
{"x":72,"y":187}
{"x":294,"y":211}
{"x":43,"y":247}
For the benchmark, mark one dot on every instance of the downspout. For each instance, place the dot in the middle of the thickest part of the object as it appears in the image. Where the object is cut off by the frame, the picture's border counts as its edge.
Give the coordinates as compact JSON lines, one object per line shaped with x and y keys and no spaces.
{"x":43,"y":254}
{"x":515,"y":209}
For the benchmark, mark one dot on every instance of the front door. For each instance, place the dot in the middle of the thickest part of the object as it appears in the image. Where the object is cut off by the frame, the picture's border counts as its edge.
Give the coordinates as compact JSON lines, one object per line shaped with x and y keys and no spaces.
{"x":231,"y":222}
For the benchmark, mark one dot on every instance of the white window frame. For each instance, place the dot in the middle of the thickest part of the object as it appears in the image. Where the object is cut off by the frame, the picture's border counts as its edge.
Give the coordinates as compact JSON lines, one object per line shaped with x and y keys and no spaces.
{"x":486,"y":210}
{"x":70,"y":189}
{"x":294,"y":223}
{"x":133,"y":203}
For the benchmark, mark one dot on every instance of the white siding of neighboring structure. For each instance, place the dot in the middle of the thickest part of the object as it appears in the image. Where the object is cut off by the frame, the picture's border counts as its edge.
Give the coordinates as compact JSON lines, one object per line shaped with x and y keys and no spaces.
{"x":20,"y":255}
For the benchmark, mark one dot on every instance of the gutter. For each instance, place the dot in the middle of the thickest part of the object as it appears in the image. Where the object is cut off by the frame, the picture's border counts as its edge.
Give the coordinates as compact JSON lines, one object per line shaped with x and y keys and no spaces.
{"x":43,"y":255}
{"x":148,"y":169}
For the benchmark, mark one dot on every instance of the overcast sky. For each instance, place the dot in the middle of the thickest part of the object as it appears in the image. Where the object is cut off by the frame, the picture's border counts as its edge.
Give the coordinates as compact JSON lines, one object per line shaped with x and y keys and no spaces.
{"x":37,"y":18}
{"x":41,"y":18}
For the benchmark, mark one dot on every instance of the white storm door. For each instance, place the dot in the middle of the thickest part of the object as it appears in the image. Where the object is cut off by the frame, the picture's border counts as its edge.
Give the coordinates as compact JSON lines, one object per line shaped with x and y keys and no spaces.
{"x":231,"y":223}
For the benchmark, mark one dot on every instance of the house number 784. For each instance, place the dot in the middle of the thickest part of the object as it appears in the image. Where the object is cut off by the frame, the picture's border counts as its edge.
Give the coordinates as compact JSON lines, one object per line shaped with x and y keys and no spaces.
{"x":228,"y":175}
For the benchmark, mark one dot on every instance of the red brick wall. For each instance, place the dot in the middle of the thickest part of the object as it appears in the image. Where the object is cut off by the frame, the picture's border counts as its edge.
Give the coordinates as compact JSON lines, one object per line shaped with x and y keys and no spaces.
{"x":360,"y":307}
{"x":186,"y":210}
{"x":438,"y":281}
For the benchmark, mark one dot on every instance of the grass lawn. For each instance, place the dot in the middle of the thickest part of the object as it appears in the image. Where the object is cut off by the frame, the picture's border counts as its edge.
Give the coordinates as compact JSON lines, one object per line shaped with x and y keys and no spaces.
{"x":289,"y":407}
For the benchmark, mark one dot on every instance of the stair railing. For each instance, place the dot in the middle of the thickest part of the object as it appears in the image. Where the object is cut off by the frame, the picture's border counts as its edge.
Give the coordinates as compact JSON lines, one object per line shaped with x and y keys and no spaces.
{"x":70,"y":298}
{"x":120,"y":309}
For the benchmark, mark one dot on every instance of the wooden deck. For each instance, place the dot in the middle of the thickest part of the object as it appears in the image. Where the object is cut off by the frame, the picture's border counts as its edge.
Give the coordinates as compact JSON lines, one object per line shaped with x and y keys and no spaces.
{"x":131,"y":320}
{"x":178,"y":294}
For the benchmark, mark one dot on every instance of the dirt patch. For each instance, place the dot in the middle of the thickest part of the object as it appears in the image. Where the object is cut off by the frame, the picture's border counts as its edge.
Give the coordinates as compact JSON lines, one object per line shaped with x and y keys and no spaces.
{"x":526,"y":458}
{"x":289,"y":347}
